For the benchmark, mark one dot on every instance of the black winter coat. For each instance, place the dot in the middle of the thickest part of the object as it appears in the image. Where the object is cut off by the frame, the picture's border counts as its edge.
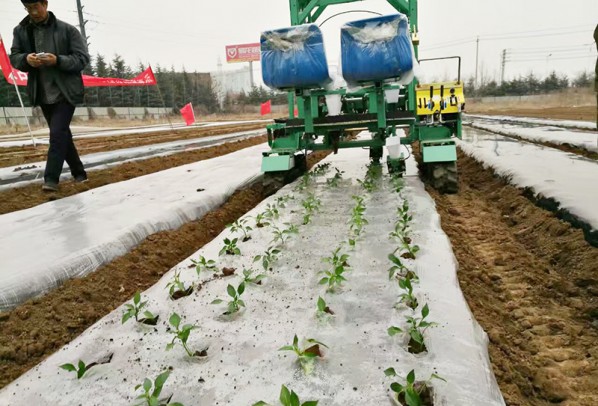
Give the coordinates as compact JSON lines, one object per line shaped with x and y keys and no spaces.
{"x":71,"y":53}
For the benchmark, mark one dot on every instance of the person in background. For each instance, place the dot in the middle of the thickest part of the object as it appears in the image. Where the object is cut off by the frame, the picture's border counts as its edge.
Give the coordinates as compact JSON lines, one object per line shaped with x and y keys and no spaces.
{"x":53,"y":53}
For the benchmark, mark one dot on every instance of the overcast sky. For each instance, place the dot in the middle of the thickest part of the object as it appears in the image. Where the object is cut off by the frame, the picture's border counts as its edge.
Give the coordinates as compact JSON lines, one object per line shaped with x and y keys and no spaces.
{"x":539,"y":35}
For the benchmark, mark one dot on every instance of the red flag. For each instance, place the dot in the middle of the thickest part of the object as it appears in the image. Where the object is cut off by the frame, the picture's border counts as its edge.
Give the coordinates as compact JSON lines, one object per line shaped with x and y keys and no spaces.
{"x":9,"y":72}
{"x":145,"y":78}
{"x":188,"y":114}
{"x":266,"y":108}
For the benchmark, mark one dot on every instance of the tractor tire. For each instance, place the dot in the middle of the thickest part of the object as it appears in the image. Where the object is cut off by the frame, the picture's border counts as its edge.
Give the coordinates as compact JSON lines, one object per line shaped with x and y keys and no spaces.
{"x":443,"y":177}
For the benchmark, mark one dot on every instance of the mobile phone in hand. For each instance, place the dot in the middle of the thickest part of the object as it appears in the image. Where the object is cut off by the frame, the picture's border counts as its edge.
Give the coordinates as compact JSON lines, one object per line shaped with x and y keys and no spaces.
{"x":41,"y":55}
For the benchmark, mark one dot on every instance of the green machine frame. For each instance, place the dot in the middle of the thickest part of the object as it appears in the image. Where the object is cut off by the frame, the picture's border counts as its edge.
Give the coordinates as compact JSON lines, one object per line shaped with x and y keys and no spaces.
{"x":291,"y":138}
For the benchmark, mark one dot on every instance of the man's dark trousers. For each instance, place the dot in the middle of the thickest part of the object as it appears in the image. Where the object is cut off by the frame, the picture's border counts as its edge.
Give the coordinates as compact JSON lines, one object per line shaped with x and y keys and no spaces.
{"x":62,"y":148}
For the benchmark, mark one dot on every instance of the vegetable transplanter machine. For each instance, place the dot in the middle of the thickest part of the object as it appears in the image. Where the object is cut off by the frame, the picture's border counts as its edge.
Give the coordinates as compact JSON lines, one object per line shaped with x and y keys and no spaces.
{"x":375,"y":90}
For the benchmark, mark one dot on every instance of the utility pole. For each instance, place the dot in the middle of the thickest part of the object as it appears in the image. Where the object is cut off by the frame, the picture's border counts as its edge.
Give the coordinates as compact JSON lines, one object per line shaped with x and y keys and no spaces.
{"x":477,"y":50}
{"x":82,"y":22}
{"x":503,"y":62}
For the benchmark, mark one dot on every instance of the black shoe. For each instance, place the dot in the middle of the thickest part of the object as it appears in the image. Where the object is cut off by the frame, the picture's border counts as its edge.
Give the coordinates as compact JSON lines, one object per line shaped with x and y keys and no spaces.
{"x":50,"y":187}
{"x":81,"y":179}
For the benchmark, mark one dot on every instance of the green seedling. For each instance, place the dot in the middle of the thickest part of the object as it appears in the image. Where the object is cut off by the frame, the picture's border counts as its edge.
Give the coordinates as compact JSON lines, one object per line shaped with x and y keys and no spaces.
{"x":357,"y":220}
{"x":242,"y":226}
{"x":289,"y":398}
{"x":411,"y":393}
{"x":335,"y":276}
{"x":152,"y":397}
{"x":284,"y":235}
{"x":337,"y":259}
{"x":306,"y":355}
{"x":351,"y":242}
{"x":133,"y":310}
{"x":180,"y":334}
{"x":398,"y":183}
{"x":260,"y":220}
{"x":321,"y":169}
{"x":281,"y":201}
{"x":236,"y":303}
{"x":203,"y":264}
{"x":230,"y":247}
{"x":408,"y":251}
{"x":268,"y":257}
{"x":399,"y":268}
{"x":333,"y":182}
{"x":408,"y":298}
{"x":311,"y":204}
{"x":249,"y":278}
{"x":323,"y":308}
{"x":368,"y":184}
{"x":401,"y":230}
{"x":79,"y":371}
{"x":305,"y":181}
{"x":271,"y":212}
{"x":176,"y":288}
{"x":416,"y":330}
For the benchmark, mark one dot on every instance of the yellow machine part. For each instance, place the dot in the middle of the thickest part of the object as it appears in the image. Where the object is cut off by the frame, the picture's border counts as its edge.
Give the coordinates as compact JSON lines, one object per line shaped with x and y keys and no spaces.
{"x":452,"y":96}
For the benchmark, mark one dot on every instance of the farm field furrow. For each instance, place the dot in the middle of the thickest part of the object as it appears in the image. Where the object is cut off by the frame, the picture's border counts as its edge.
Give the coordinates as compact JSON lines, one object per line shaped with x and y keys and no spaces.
{"x":530,"y":280}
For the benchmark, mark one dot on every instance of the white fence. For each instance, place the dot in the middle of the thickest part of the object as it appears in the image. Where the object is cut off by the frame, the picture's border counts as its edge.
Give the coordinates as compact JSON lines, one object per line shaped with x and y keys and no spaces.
{"x":14,"y":115}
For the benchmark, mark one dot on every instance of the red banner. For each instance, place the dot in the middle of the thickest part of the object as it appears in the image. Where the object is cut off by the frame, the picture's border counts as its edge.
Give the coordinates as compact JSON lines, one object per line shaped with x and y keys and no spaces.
{"x":266,"y":108}
{"x":145,"y":78}
{"x":243,"y":53}
{"x":188,"y":114}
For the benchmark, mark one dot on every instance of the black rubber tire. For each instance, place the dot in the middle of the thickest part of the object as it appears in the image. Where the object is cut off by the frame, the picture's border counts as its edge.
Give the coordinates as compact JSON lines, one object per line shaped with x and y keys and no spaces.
{"x":443,"y":176}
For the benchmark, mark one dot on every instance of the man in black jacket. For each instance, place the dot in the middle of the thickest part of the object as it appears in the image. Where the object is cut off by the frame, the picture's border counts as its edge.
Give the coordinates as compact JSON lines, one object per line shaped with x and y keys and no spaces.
{"x":53,"y":53}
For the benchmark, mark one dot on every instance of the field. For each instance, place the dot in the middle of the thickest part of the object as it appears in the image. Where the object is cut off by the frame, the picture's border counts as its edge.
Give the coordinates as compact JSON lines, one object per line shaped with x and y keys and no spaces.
{"x":526,"y":270}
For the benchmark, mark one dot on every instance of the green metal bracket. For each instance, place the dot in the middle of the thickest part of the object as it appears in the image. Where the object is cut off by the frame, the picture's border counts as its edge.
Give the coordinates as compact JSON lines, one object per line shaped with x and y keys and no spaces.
{"x":308,"y":11}
{"x":274,"y":163}
{"x":439,"y":151}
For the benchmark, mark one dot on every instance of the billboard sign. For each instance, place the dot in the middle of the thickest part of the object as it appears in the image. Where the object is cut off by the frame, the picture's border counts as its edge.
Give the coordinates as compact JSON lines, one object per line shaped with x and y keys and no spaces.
{"x":243,"y":53}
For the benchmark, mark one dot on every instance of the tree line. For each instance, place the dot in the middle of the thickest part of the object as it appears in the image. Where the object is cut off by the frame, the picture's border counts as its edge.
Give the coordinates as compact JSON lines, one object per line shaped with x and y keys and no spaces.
{"x":526,"y":85}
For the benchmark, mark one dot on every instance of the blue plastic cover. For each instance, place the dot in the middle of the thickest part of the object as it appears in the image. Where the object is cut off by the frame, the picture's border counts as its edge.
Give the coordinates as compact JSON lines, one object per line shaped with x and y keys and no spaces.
{"x":376,"y":49}
{"x":294,"y":57}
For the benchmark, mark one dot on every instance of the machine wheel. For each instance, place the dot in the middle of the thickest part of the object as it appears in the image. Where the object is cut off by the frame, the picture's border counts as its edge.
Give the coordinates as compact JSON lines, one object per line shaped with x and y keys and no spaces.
{"x":443,"y":176}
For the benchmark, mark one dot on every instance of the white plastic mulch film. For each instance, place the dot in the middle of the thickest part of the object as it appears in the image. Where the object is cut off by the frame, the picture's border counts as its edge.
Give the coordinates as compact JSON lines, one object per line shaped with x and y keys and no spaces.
{"x":43,"y":246}
{"x":243,"y":364}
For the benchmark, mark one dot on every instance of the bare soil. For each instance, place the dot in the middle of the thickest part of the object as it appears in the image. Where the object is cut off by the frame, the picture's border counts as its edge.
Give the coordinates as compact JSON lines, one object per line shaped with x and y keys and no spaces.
{"x":26,"y":154}
{"x":531,"y":281}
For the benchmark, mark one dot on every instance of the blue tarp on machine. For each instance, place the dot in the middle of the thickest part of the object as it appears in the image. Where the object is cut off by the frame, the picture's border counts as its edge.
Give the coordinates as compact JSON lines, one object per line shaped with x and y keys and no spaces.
{"x":376,"y":49}
{"x":294,"y":57}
